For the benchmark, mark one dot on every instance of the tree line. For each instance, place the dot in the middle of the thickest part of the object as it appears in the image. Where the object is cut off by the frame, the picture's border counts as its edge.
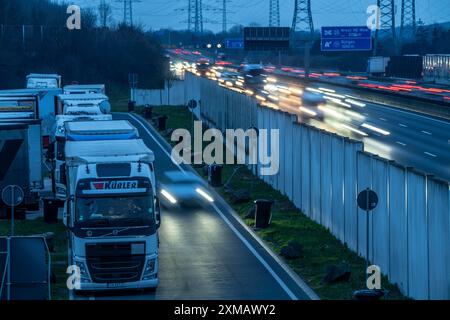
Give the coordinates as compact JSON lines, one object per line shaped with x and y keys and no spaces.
{"x":34,"y":38}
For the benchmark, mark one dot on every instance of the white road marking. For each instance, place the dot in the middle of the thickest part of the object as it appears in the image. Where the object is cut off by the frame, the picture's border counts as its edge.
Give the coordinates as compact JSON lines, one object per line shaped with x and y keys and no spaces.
{"x":401,"y":143}
{"x":383,"y":119}
{"x":403,"y":125}
{"x":238,"y":234}
{"x":430,"y":154}
{"x":426,"y":132}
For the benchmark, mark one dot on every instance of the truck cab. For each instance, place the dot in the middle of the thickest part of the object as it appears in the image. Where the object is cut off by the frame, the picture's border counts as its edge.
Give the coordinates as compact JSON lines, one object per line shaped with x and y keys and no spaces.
{"x":112,"y":214}
{"x":85,"y":129}
{"x":84,"y":100}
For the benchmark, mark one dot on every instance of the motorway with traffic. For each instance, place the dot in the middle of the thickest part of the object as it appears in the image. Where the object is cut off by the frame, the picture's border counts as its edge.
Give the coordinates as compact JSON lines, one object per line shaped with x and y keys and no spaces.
{"x":206,"y":252}
{"x":409,"y":138}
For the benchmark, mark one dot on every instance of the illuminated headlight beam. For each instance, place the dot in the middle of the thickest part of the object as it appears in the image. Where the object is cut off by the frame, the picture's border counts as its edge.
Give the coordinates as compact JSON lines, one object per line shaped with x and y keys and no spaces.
{"x":354,"y":130}
{"x":168,"y":196}
{"x":204,"y":195}
{"x":308,"y":111}
{"x":373,"y":128}
{"x":327,"y":90}
{"x":356,"y":103}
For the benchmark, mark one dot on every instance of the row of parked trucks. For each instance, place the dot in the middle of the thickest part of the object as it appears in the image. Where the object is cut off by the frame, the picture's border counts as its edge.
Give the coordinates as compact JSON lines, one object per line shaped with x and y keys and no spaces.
{"x":99,"y":170}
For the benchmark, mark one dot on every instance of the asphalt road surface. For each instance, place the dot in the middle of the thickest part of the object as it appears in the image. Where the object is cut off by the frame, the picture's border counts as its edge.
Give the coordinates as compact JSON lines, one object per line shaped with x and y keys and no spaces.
{"x":206,"y":253}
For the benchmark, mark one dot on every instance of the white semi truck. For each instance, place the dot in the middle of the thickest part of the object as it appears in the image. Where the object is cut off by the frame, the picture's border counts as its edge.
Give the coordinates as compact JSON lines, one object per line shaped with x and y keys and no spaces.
{"x":112,"y":214}
{"x":84,"y":100}
{"x":55,"y":157}
{"x":84,"y":88}
{"x":85,"y":129}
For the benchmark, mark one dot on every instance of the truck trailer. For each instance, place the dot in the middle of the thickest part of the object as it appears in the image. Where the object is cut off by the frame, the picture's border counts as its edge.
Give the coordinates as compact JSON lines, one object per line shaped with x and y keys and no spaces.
{"x":84,"y":88}
{"x":112,"y":214}
{"x":45,"y":107}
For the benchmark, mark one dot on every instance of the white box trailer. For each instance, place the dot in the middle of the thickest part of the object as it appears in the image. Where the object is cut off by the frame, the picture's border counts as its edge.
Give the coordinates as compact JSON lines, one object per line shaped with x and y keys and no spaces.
{"x":112,"y":214}
{"x":82,"y":100}
{"x":84,"y":88}
{"x":45,"y":108}
{"x":43,"y":81}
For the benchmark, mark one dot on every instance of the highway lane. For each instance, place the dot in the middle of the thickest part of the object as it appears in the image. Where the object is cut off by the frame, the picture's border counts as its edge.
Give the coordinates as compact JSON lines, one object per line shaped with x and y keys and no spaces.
{"x":206,"y":253}
{"x":415,"y":140}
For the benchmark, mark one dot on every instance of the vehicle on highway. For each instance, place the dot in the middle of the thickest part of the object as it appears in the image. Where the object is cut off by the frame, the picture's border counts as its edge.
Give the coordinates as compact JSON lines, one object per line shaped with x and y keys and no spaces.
{"x":254,"y":76}
{"x":43,"y":81}
{"x":84,"y":129}
{"x":203,"y":66}
{"x":311,"y":103}
{"x":184,"y":188}
{"x":228,"y":78}
{"x":112,"y":214}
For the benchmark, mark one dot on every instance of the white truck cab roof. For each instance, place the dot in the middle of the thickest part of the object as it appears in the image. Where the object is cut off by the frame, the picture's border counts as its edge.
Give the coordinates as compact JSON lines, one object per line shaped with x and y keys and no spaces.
{"x":103,"y":151}
{"x":84,"y":89}
{"x":99,"y":127}
{"x":83,"y":98}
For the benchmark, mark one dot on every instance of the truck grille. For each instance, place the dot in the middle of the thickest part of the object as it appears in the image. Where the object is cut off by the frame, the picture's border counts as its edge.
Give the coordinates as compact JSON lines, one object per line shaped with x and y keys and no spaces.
{"x":114,"y":263}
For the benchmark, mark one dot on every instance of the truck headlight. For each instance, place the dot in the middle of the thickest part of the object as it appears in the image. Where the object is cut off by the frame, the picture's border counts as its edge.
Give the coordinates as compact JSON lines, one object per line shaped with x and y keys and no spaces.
{"x":149,"y":270}
{"x":84,"y":274}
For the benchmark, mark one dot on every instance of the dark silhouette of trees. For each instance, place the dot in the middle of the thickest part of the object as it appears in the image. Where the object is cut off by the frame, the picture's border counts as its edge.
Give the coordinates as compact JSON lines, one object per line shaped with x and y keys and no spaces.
{"x":34,"y":38}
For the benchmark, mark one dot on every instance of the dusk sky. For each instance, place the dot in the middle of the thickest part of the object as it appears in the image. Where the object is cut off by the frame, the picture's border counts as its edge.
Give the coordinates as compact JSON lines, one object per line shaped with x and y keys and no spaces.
{"x":158,"y":14}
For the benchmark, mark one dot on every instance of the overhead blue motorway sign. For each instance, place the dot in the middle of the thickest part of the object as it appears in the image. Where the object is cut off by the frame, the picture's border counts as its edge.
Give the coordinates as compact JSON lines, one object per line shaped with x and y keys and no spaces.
{"x":234,"y":44}
{"x":346,"y":39}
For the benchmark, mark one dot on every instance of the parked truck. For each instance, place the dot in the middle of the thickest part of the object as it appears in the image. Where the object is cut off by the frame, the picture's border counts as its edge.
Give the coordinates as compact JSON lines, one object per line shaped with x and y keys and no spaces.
{"x":21,"y":148}
{"x":45,"y":107}
{"x":43,"y":81}
{"x":99,"y":100}
{"x":112,"y":214}
{"x":85,"y":129}
{"x":84,"y":88}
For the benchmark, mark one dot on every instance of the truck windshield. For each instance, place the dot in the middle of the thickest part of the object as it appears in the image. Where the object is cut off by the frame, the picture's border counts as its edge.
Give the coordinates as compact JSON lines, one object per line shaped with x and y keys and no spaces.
{"x":115,"y":211}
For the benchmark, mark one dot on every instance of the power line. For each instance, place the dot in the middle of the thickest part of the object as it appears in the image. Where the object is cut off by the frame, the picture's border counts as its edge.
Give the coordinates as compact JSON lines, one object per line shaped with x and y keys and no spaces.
{"x":274,"y":13}
{"x":408,"y":17}
{"x":302,"y":20}
{"x":128,"y":11}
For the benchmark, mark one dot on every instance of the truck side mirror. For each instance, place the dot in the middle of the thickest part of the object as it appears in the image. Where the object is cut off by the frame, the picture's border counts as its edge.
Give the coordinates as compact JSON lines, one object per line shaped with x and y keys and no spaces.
{"x":157,"y":213}
{"x":61,"y":190}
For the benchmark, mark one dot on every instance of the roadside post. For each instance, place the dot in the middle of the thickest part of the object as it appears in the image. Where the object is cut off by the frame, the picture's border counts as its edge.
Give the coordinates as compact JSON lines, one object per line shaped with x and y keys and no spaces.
{"x":367,"y":201}
{"x":12,"y":196}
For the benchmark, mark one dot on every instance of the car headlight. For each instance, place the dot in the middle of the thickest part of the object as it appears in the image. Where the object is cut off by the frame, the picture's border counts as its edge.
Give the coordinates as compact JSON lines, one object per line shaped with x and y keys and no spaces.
{"x":149,"y":271}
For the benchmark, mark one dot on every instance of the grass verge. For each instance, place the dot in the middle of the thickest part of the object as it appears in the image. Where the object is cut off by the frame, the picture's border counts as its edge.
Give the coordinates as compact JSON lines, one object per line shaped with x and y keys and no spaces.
{"x":320,"y":248}
{"x":58,"y":257}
